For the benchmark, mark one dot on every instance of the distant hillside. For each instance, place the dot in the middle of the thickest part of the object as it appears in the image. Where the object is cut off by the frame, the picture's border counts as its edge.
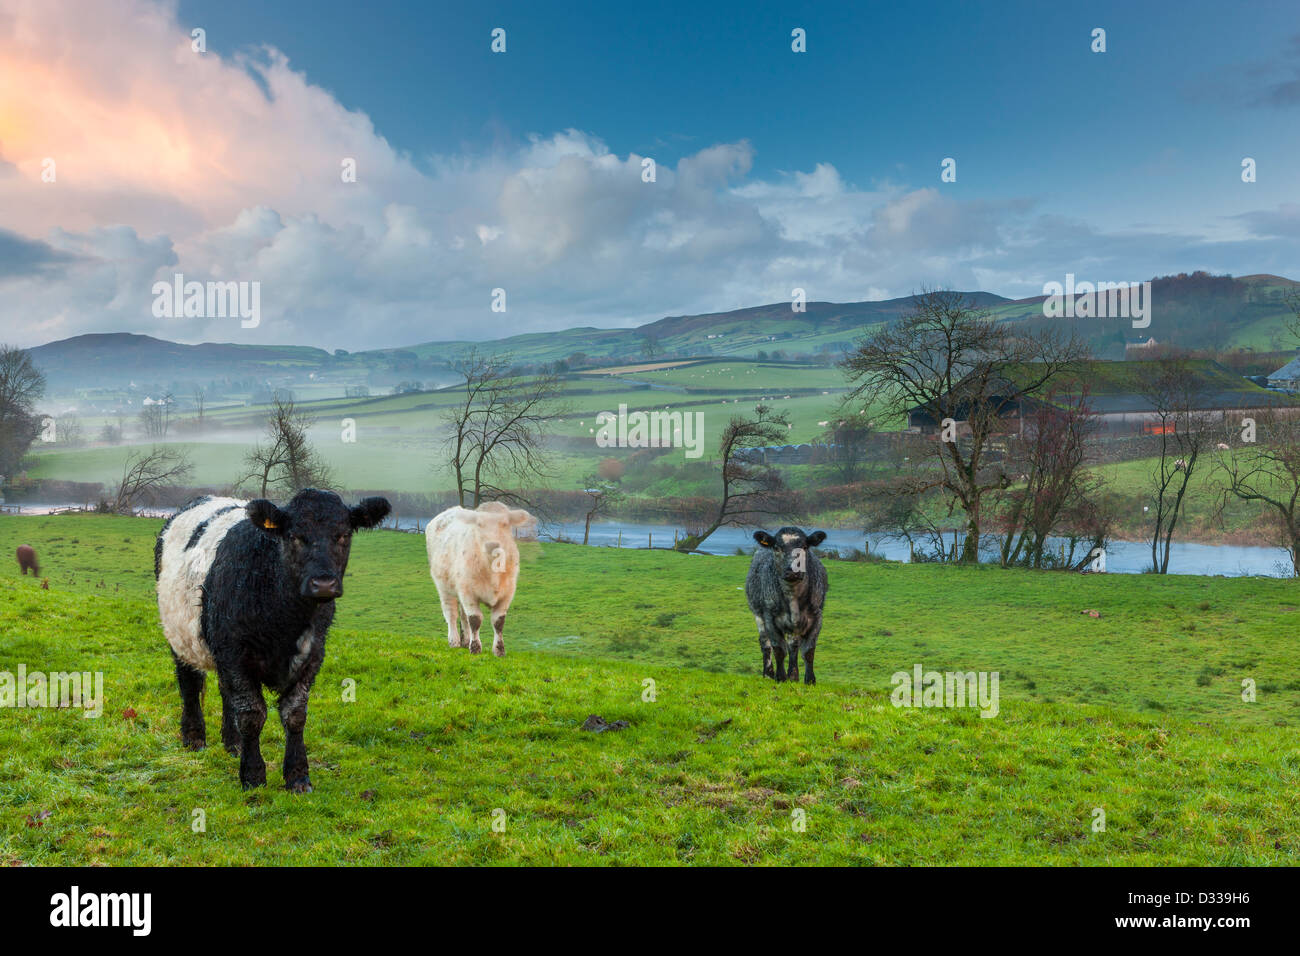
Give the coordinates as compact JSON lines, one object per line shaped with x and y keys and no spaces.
{"x":119,"y":360}
{"x":1194,"y":310}
{"x":123,"y":355}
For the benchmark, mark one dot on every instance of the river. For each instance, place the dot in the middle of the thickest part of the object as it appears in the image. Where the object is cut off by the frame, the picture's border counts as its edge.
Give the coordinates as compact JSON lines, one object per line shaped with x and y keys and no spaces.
{"x":1122,"y":557}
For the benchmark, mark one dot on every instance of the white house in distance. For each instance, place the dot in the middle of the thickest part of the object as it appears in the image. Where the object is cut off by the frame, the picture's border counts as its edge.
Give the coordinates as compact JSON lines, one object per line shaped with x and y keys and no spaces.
{"x":1138,"y":350}
{"x":1287,"y":377}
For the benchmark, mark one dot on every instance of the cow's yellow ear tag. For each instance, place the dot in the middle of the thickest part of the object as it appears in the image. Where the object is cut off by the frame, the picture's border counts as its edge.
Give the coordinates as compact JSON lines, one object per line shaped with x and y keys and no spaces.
{"x":268,"y":523}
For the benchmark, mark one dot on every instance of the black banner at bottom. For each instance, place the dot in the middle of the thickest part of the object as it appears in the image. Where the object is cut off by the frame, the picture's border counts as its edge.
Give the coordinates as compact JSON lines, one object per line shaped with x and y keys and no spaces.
{"x":331,"y":905}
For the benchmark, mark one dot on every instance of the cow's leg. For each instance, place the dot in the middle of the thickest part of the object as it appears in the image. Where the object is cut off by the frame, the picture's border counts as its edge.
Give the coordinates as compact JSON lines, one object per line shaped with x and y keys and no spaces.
{"x":809,"y":649}
{"x":778,"y":651}
{"x":250,"y":715}
{"x":765,"y":644}
{"x":499,"y":627}
{"x":450,"y":614}
{"x":194,"y":734}
{"x":474,"y":620}
{"x":464,"y":624}
{"x":793,"y":672}
{"x":229,"y":727}
{"x":293,"y":715}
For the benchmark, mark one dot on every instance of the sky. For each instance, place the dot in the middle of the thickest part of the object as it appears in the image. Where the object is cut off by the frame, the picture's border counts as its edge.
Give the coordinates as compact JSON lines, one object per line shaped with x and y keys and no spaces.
{"x":128,"y":156}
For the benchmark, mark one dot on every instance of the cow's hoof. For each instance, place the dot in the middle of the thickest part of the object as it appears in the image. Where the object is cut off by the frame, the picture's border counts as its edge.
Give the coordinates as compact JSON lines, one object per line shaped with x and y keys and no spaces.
{"x":192,"y":742}
{"x":301,"y":785}
{"x":233,"y":749}
{"x":476,"y":648}
{"x":252,"y":784}
{"x":499,"y":650}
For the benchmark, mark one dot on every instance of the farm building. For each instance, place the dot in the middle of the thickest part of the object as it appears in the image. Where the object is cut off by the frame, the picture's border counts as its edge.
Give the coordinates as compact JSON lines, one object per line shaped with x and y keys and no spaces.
{"x":1114,"y":393}
{"x":1287,"y":377}
{"x":1140,"y":350}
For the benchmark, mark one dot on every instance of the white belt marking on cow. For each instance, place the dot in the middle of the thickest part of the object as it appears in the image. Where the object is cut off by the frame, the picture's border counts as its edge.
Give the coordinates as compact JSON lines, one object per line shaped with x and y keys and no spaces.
{"x":180,"y":580}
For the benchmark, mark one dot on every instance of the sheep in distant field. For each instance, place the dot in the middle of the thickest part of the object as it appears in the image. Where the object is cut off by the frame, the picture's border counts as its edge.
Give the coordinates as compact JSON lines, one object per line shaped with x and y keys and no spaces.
{"x":247,"y":589}
{"x":473,"y":560}
{"x":27,"y":560}
{"x":786,"y":588}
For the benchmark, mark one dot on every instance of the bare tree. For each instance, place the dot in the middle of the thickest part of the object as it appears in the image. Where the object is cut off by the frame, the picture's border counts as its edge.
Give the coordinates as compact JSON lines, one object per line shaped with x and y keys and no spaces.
{"x":950,"y":363}
{"x":498,"y":429}
{"x":1292,"y":300}
{"x":286,"y":460}
{"x":150,"y":418}
{"x":848,"y":438}
{"x":147,"y":473}
{"x":70,"y":433}
{"x":750,"y":488}
{"x":1176,"y":395}
{"x":22,"y":385}
{"x":602,"y":494}
{"x":904,"y":511}
{"x":1053,"y":489}
{"x":155,"y":416}
{"x":1267,"y":472}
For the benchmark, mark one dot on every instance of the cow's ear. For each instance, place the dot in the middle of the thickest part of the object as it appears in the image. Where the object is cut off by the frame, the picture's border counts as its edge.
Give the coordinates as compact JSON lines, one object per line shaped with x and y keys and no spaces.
{"x":816,"y":538}
{"x":765,"y":539}
{"x":266,"y":516}
{"x":369,"y":512}
{"x":518,"y":516}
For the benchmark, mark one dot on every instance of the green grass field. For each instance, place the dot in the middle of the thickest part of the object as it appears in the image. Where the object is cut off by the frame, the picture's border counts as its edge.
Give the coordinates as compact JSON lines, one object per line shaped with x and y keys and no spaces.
{"x":1138,"y":712}
{"x":398,"y":442}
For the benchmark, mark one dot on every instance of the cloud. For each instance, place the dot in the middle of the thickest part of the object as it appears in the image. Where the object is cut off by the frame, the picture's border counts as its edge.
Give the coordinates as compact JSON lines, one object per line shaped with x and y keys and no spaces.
{"x":230,"y":169}
{"x":1273,"y":82}
{"x":1283,"y":90}
{"x":1282,"y":222}
{"x":27,"y":257}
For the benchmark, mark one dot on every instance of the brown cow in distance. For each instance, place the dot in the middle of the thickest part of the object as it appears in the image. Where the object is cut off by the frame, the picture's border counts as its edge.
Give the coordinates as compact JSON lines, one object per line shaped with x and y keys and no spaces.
{"x":27,"y":560}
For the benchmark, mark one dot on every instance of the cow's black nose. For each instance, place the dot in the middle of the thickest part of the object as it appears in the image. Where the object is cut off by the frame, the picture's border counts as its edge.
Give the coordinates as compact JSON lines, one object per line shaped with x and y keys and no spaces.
{"x":325,"y":589}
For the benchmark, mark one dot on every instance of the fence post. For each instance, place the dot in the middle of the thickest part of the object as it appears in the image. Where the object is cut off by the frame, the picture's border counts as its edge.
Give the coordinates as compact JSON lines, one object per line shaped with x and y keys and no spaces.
{"x":620,"y":537}
{"x":651,"y":543}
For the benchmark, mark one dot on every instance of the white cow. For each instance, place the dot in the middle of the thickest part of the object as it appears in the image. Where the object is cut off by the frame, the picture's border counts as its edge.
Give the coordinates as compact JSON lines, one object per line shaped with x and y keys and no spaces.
{"x":473,"y":560}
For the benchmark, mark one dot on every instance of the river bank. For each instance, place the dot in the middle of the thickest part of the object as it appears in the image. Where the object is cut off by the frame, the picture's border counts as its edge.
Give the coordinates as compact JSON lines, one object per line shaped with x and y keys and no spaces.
{"x":1227,"y":558}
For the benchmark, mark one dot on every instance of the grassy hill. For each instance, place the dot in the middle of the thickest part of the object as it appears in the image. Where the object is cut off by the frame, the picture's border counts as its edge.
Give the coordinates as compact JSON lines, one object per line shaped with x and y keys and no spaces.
{"x":1137,"y":712}
{"x":1192,"y":311}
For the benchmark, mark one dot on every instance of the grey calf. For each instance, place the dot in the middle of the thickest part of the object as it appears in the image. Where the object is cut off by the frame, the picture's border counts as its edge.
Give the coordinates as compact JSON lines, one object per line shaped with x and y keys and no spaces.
{"x":786,"y":589}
